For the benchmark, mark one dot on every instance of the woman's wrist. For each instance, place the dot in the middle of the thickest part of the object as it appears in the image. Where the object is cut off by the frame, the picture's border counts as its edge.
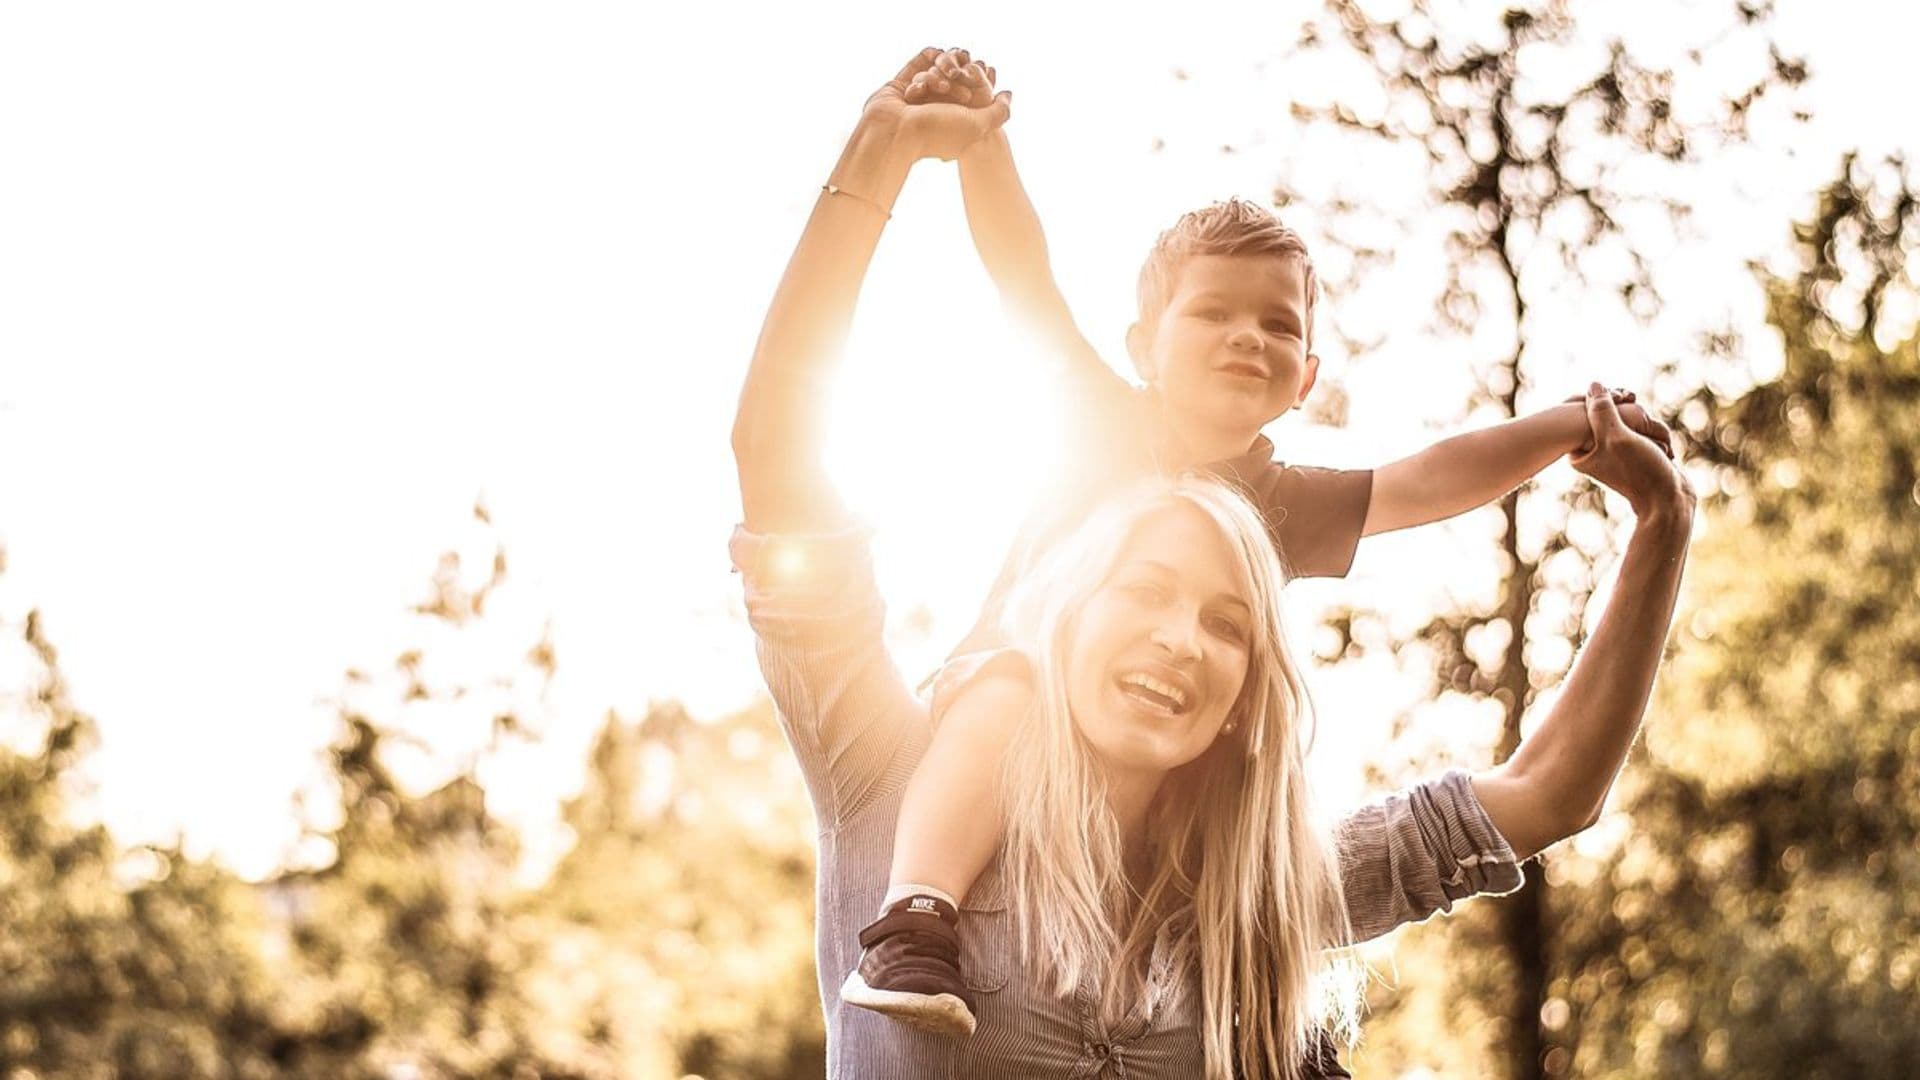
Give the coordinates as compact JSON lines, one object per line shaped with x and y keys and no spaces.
{"x":875,"y":163}
{"x":1666,"y":516}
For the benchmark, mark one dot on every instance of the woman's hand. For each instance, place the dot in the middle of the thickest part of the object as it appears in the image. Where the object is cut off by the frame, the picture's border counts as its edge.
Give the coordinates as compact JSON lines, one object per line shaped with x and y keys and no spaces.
{"x":1635,"y":416}
{"x":1631,"y":463}
{"x":925,"y":126}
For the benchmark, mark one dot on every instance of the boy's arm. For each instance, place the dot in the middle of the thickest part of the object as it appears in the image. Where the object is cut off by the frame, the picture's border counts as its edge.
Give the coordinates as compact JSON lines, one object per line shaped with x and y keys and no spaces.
{"x":1460,"y":473}
{"x":1007,"y":234}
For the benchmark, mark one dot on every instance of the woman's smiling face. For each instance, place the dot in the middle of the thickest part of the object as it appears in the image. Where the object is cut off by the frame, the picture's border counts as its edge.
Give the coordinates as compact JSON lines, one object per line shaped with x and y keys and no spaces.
{"x":1159,"y":650}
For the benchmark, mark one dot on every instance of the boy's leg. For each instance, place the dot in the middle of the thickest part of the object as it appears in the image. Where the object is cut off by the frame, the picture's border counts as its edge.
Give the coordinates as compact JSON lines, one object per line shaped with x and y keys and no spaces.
{"x":950,"y":814}
{"x":948,"y":830}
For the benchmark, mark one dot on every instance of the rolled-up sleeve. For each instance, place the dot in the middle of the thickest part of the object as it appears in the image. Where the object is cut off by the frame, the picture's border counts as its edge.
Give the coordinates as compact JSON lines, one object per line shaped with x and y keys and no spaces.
{"x":1418,"y":851}
{"x":817,"y":618}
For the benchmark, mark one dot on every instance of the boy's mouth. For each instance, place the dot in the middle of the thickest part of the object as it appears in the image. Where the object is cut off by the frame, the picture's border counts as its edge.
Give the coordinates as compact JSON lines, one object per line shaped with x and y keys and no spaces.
{"x":1244,"y":368}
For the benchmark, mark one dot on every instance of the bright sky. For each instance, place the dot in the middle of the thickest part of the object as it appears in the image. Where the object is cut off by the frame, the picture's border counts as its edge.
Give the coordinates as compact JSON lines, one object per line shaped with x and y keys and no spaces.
{"x":283,"y":289}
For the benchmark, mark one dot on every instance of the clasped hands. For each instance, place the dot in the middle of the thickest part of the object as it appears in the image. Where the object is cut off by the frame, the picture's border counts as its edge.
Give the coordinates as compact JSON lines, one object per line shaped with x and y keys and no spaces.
{"x":940,"y":103}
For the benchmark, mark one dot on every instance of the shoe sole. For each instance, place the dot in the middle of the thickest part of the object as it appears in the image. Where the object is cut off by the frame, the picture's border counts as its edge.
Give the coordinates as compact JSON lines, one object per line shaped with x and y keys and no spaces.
{"x":942,"y":1014}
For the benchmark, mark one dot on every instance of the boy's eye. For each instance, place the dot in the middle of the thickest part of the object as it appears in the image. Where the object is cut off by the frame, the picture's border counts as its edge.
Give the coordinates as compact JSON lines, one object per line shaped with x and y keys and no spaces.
{"x":1281,"y":329}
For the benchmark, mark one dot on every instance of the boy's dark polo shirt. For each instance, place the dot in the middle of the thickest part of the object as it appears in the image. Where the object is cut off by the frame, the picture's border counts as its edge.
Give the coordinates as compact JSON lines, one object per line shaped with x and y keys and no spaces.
{"x":1314,"y":515}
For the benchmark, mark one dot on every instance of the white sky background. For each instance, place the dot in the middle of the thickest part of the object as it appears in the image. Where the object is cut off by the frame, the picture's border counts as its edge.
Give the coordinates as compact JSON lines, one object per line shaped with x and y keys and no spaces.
{"x":282,"y":290}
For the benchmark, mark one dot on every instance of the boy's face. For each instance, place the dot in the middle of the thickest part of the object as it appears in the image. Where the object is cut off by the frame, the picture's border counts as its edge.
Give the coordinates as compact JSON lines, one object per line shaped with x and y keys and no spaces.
{"x":1229,"y":353}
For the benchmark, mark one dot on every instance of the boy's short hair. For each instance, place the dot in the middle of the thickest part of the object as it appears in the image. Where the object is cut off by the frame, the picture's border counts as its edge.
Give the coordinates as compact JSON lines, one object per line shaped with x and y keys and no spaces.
{"x":1233,"y":227}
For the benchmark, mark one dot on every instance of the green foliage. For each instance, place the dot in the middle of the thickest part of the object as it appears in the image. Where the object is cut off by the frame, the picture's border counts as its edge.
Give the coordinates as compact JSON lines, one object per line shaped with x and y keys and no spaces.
{"x":674,"y":938}
{"x":693,"y":864}
{"x":1763,"y":916}
{"x":1753,"y":910}
{"x":1545,"y":202}
{"x":131,"y":964}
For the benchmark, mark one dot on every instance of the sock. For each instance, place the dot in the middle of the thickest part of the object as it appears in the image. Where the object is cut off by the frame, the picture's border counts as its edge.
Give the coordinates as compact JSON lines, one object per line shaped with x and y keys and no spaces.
{"x":897,"y":893}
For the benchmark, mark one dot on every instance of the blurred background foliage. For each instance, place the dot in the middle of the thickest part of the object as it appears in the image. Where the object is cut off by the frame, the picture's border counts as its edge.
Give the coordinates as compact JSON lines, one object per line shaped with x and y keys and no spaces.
{"x":1746,"y":909}
{"x":674,"y":936}
{"x":1749,"y":908}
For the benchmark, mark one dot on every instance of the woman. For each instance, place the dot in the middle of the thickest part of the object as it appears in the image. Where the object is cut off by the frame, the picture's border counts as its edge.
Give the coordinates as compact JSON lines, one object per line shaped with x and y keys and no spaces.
{"x":1161,"y":904}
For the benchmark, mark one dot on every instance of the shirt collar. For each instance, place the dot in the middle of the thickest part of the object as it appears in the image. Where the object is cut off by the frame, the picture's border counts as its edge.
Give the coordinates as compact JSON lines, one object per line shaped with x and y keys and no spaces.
{"x":1257,"y":455}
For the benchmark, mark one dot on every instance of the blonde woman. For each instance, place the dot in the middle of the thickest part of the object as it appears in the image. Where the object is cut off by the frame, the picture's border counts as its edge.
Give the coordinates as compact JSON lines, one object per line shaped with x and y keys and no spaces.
{"x":1161,"y":904}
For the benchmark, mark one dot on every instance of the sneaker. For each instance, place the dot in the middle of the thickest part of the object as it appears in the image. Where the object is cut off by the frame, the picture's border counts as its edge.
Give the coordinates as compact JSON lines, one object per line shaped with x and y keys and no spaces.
{"x":910,"y":967}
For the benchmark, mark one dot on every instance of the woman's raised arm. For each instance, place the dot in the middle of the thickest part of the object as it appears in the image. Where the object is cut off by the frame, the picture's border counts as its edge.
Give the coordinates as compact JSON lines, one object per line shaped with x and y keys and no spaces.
{"x":1419,"y":851}
{"x":779,"y":426}
{"x":1555,"y":784}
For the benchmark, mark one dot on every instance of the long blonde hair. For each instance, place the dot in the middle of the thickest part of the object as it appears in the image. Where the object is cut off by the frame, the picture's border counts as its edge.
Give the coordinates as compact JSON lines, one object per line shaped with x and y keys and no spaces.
{"x":1237,"y":865}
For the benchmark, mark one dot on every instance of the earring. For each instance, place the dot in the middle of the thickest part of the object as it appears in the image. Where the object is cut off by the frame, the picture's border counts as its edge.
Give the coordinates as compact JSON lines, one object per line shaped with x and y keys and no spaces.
{"x":1231,"y":725}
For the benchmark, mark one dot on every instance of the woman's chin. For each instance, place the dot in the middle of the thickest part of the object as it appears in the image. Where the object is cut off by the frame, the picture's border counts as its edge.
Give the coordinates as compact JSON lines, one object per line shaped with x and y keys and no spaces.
{"x":1147,"y":746}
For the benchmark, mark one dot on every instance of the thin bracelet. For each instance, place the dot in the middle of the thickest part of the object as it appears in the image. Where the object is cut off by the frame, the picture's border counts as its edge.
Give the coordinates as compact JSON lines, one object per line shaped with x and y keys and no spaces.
{"x":832,"y":189}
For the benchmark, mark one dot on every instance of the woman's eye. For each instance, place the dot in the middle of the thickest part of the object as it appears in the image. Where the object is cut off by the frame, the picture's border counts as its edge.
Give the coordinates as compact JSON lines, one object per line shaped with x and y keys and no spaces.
{"x":1228,"y":627}
{"x":1145,"y":590}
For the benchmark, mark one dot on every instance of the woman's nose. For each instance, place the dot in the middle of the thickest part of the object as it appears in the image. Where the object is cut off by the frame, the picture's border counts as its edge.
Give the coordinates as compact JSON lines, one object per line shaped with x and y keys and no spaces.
{"x":1179,"y":635}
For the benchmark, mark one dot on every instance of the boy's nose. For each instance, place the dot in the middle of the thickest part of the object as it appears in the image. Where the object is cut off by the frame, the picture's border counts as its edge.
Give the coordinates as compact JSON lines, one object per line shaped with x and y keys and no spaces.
{"x":1245,"y":337}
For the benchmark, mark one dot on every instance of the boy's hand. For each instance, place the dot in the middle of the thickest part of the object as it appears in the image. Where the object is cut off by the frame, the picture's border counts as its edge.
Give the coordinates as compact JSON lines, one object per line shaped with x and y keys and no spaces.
{"x":955,"y":79}
{"x":934,"y":128}
{"x":1633,"y":416}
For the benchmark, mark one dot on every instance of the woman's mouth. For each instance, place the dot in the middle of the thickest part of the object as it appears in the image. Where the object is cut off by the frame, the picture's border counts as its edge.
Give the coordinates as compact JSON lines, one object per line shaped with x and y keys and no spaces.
{"x":1155,"y":694}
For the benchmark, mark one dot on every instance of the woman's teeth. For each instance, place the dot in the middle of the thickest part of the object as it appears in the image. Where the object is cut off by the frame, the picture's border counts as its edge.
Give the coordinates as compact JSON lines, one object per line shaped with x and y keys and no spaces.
{"x":1152,"y":691}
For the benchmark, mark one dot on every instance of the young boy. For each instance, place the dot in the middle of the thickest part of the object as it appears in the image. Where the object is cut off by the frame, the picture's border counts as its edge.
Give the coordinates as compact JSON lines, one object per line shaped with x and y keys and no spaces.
{"x":1224,"y":347}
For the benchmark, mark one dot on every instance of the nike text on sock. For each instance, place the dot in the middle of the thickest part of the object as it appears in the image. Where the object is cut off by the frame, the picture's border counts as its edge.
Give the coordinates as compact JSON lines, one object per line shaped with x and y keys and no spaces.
{"x":897,"y":893}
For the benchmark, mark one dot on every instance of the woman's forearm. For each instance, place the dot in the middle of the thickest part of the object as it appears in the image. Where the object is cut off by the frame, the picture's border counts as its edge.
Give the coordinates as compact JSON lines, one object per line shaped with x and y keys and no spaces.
{"x":779,"y":427}
{"x":1557,"y":780}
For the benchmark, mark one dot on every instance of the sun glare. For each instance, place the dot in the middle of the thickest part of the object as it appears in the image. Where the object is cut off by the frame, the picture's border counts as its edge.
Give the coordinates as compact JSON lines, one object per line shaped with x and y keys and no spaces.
{"x":941,"y":449}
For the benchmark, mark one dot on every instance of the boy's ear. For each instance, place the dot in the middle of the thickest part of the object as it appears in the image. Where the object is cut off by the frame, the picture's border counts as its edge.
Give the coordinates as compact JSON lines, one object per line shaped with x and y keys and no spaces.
{"x":1307,"y":380}
{"x":1137,"y":339}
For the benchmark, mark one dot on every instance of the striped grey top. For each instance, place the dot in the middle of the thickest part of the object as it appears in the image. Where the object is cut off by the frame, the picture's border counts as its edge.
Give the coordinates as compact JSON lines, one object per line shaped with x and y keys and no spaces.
{"x":858,"y":731}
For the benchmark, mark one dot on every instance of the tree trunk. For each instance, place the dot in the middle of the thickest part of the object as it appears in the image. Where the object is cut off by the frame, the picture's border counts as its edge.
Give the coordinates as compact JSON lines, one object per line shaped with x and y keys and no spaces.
{"x":1522,"y":922}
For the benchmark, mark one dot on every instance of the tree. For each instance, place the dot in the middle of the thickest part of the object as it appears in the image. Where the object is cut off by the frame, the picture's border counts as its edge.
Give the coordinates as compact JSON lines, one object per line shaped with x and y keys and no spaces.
{"x":403,"y":948}
{"x":693,"y":866}
{"x":1762,"y":919}
{"x":130,"y":963}
{"x":1550,"y":161}
{"x":411,"y":934}
{"x":673,"y":939}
